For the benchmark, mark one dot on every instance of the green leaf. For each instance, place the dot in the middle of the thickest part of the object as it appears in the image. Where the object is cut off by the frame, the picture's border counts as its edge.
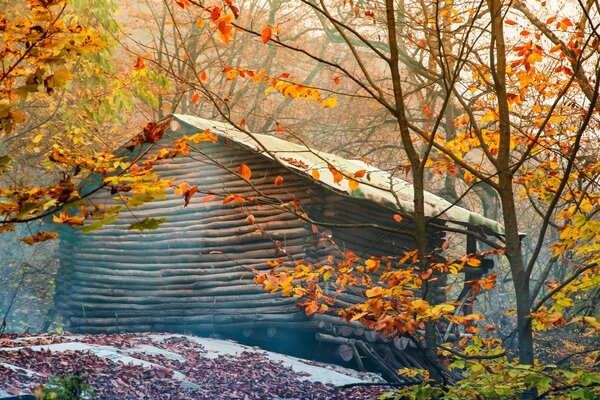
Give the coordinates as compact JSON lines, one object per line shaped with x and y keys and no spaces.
{"x":99,"y":224}
{"x":4,"y":163}
{"x":147,"y":224}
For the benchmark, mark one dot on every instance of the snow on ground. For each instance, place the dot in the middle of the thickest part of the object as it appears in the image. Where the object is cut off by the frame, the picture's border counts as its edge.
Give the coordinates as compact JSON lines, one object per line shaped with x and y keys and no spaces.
{"x":165,"y":366}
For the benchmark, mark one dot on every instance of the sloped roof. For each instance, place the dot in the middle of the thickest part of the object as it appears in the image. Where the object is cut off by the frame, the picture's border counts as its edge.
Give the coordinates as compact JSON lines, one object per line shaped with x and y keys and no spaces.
{"x":380,"y":188}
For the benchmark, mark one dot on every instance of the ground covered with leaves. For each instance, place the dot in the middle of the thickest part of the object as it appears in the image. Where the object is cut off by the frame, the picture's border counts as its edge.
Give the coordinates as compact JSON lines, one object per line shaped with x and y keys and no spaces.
{"x":174,"y":367}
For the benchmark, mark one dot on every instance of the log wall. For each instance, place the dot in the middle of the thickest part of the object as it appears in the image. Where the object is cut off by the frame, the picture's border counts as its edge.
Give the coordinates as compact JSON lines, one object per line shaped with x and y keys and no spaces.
{"x":193,"y":274}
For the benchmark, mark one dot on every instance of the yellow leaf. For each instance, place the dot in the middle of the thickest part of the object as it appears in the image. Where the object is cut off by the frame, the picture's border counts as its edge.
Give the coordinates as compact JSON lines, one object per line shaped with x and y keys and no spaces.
{"x":352,"y":184}
{"x":329,"y":103}
{"x":38,"y":138}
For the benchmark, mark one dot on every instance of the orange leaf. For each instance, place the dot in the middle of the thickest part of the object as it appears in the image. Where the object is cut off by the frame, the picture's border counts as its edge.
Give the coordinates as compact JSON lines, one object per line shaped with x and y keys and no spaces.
{"x":266,"y":34}
{"x":525,"y":33}
{"x":139,"y":64}
{"x":196,"y":97}
{"x":183,"y":3}
{"x":278,"y":180}
{"x":397,"y":218}
{"x":187,"y":196}
{"x":200,"y":23}
{"x":39,"y":237}
{"x":250,"y":219}
{"x":337,"y":176}
{"x":555,"y":48}
{"x":208,"y":198}
{"x":316,"y":175}
{"x":352,"y":184}
{"x":242,"y":122}
{"x":337,"y":80}
{"x":360,"y":173}
{"x":244,"y":171}
{"x":203,"y":75}
{"x":427,"y":274}
{"x":511,"y":22}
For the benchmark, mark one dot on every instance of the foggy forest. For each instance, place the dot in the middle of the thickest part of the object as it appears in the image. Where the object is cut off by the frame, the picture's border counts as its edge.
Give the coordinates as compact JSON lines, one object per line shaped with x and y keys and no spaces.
{"x":299,"y":199}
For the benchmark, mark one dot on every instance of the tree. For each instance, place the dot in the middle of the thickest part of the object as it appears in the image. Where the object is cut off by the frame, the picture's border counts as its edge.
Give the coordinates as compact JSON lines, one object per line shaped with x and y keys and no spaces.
{"x":483,"y":89}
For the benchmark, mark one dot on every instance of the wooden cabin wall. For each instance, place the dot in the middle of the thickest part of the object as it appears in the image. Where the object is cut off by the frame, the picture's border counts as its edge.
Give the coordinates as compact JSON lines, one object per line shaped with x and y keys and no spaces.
{"x":194,"y":272}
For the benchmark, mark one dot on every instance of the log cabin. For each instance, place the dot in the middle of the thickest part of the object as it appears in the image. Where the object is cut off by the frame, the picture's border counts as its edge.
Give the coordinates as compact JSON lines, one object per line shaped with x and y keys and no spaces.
{"x":194,"y":273}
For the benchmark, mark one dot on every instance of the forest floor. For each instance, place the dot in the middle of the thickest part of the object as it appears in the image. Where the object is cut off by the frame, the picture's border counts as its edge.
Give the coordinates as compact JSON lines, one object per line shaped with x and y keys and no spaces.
{"x":165,"y":366}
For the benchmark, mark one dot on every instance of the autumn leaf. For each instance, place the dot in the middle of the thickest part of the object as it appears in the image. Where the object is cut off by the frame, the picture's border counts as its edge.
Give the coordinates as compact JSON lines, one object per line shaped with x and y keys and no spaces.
{"x":39,"y":237}
{"x":397,"y":218}
{"x":183,"y":3}
{"x":329,"y":103}
{"x":337,"y":175}
{"x":360,"y":173}
{"x":203,"y":76}
{"x":244,"y":171}
{"x":425,"y":275}
{"x":337,"y":80}
{"x":200,"y":23}
{"x":315,"y":174}
{"x":139,"y":64}
{"x":147,"y":224}
{"x":187,"y":195}
{"x":352,"y":184}
{"x":278,"y":180}
{"x":195,"y":97}
{"x":266,"y":34}
{"x":65,"y":218}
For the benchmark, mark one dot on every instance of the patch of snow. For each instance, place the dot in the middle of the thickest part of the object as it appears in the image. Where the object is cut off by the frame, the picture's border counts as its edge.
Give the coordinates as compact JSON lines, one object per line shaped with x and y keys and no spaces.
{"x":28,"y":372}
{"x":330,"y":374}
{"x":154,"y":351}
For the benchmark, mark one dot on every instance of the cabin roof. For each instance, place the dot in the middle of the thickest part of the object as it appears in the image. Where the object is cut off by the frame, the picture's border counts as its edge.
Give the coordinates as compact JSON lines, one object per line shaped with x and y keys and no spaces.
{"x":376,"y":185}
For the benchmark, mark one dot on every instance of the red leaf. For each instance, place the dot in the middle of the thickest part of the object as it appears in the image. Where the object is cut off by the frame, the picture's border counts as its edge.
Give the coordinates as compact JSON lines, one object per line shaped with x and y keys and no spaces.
{"x":242,"y":122}
{"x":187,"y":196}
{"x":337,"y":80}
{"x":203,"y":75}
{"x":215,"y":13}
{"x":397,"y":218}
{"x":360,"y":173}
{"x":266,"y":34}
{"x":511,"y":22}
{"x":278,"y":180}
{"x":196,"y":97}
{"x":139,"y":64}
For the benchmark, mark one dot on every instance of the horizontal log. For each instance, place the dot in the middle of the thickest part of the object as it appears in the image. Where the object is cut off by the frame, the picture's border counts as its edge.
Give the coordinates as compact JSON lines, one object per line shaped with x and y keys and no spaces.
{"x":322,"y":337}
{"x":192,"y":327}
{"x":165,"y":320}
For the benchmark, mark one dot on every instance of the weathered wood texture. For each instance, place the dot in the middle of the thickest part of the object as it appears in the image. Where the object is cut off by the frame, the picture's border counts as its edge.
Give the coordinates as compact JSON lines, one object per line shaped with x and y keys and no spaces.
{"x":194,"y":273}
